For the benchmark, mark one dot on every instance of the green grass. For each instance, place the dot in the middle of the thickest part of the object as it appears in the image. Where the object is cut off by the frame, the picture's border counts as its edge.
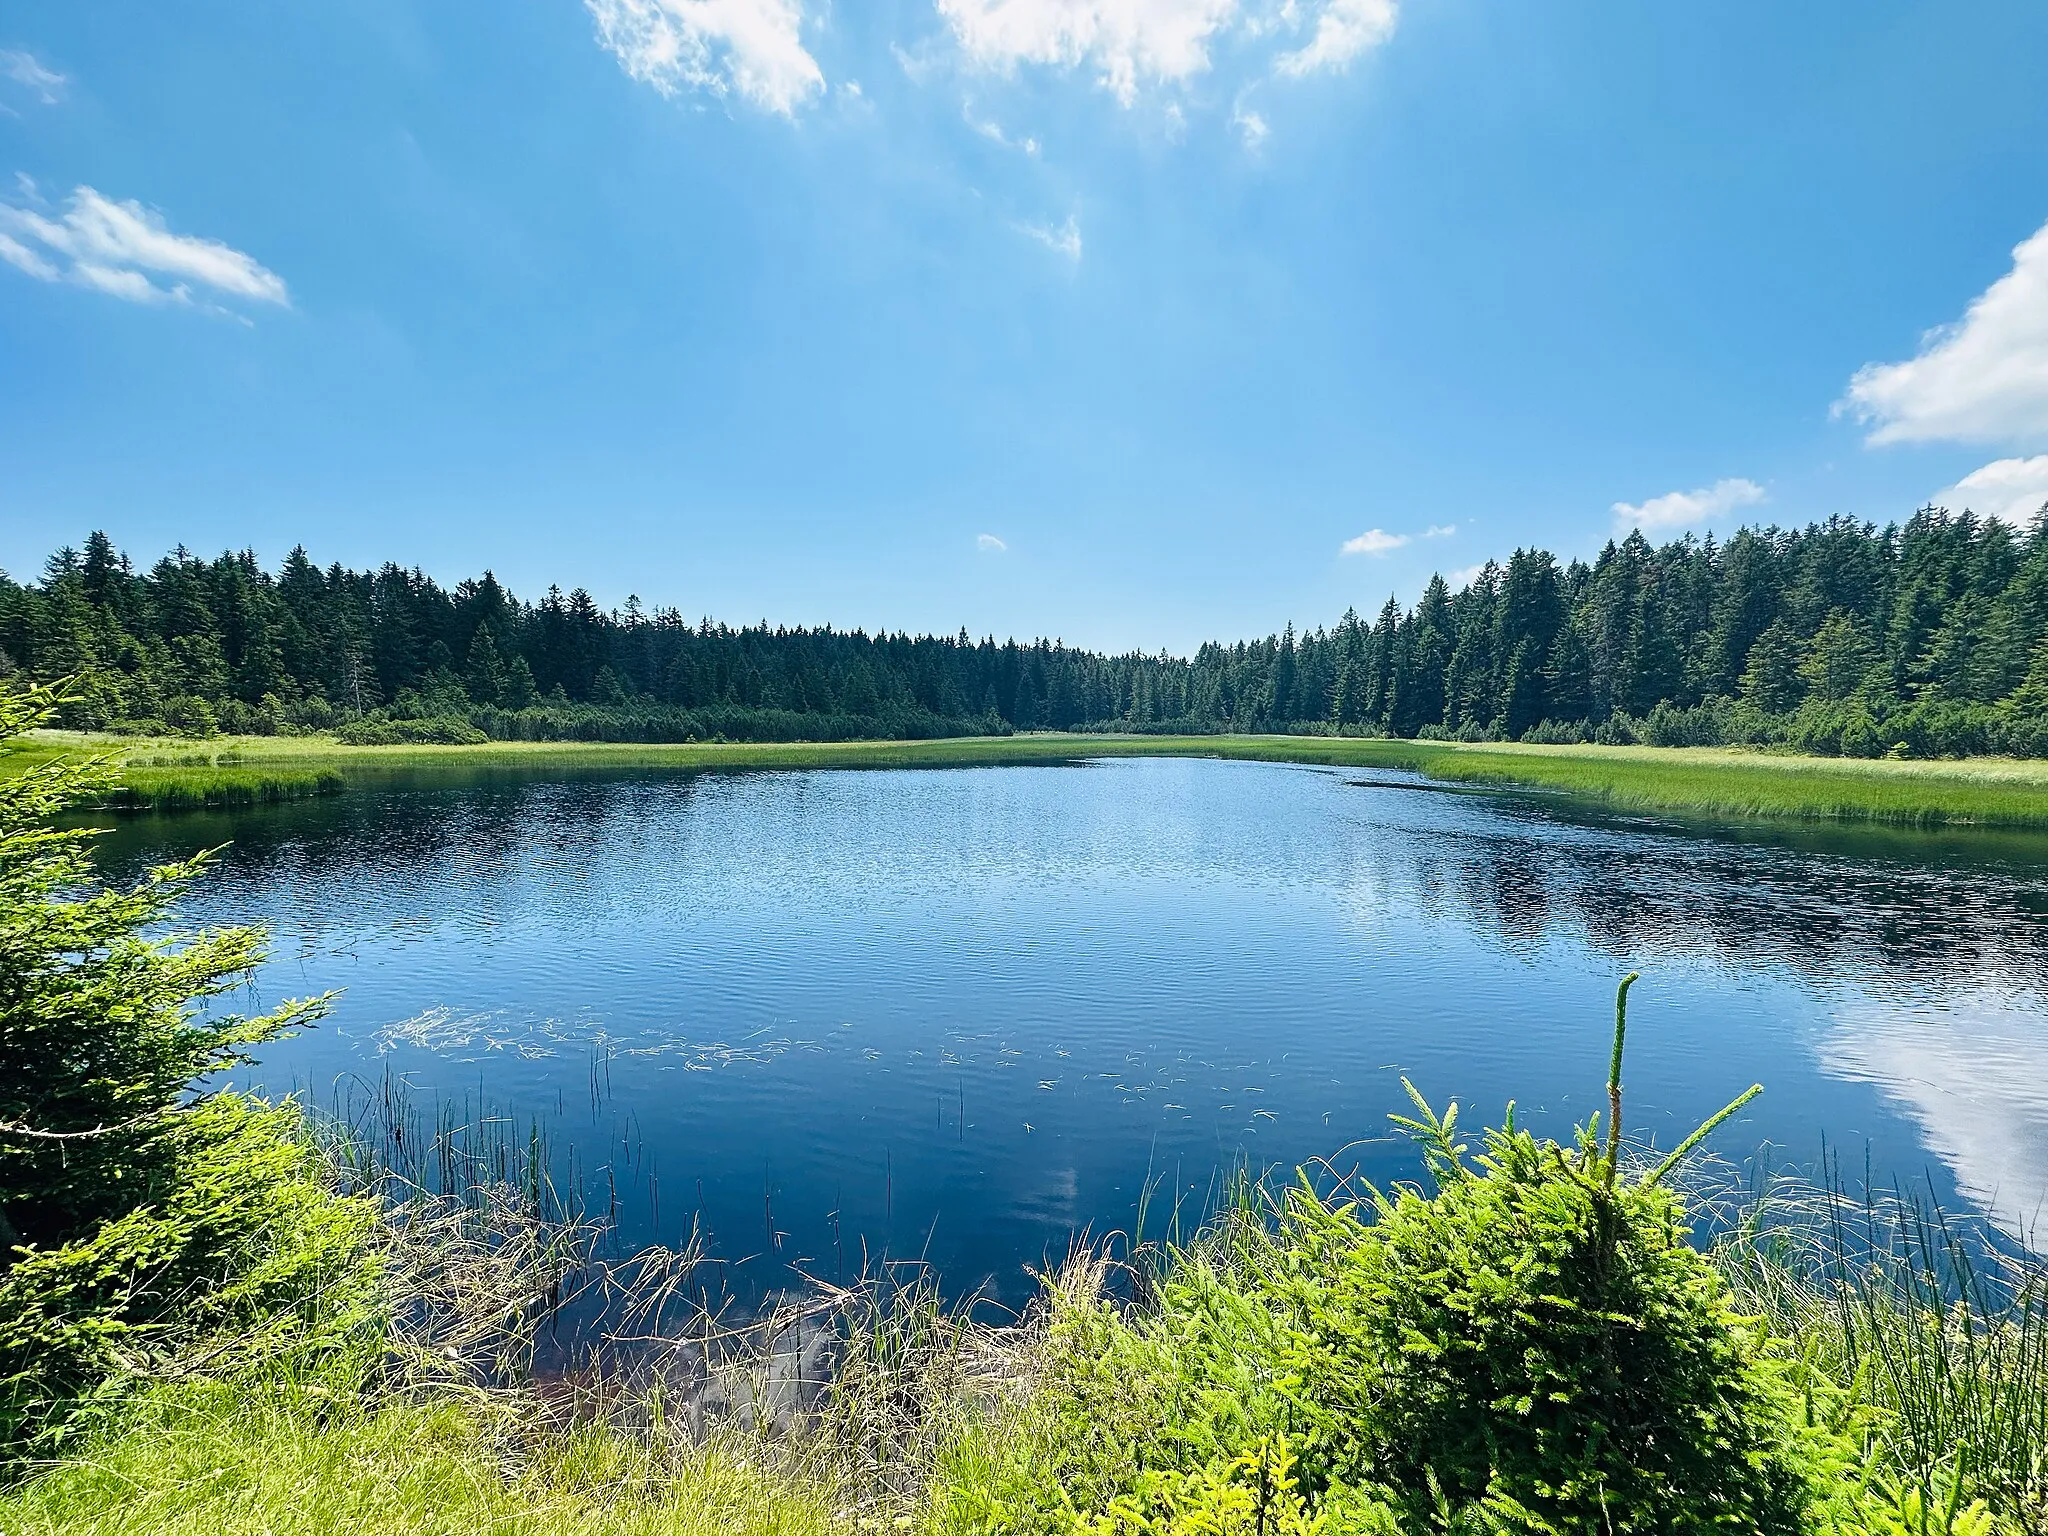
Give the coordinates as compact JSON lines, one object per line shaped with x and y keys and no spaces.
{"x":187,"y":789}
{"x":1946,"y":1329}
{"x":296,"y":1461}
{"x":1734,"y":785}
{"x":1712,"y":783}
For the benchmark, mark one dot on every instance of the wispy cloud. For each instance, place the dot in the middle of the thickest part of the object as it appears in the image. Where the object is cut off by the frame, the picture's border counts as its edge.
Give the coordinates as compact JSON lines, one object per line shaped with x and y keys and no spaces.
{"x":1344,"y":30}
{"x":1458,"y":580}
{"x":121,"y":248}
{"x":992,"y":130}
{"x":1681,"y":509}
{"x":989,"y":544}
{"x":752,"y":47}
{"x":1132,"y":43}
{"x":36,"y":79}
{"x":1251,"y":125}
{"x":1375,"y":542}
{"x":1066,"y":239}
{"x":1440,"y":530}
{"x":2011,"y":490}
{"x":1983,"y":379}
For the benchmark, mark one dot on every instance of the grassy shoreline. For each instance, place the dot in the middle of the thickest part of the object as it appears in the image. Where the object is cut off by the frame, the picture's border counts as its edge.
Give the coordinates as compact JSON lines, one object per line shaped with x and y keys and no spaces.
{"x":1715,"y":783}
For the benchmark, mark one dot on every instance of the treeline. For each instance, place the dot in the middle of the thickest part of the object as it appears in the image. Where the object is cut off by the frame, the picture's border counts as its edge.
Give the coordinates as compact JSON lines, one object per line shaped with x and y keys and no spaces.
{"x":1929,"y":638}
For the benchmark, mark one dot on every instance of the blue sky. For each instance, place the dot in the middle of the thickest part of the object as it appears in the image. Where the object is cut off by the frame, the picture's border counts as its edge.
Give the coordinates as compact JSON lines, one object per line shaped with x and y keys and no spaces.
{"x":1120,"y":320}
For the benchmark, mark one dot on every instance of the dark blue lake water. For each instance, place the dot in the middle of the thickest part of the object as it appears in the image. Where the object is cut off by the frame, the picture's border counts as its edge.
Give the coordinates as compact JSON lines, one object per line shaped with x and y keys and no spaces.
{"x":964,"y":1015}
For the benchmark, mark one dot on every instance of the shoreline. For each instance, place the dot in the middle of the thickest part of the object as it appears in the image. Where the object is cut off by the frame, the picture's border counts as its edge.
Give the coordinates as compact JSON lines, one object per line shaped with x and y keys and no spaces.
{"x":1711,"y":782}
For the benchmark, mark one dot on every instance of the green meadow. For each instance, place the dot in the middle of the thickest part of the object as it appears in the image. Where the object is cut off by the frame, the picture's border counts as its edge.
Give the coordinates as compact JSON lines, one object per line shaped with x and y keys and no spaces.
{"x":1706,"y":782}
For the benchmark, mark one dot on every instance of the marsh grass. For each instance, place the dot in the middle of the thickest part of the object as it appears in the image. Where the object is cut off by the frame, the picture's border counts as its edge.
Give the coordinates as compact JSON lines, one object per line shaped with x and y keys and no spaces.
{"x":285,"y":1459}
{"x":178,"y":776}
{"x":1939,"y":1321}
{"x":217,"y":788}
{"x":1722,"y":784}
{"x":1709,"y":783}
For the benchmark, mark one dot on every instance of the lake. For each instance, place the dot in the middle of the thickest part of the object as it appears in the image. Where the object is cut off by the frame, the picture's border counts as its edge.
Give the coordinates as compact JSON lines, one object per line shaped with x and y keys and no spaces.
{"x":964,"y":1015}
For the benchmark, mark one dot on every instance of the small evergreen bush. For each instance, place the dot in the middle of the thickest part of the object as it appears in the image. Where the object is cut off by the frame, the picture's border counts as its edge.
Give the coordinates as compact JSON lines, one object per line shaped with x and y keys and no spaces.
{"x":1534,"y":1331}
{"x":138,"y":1219}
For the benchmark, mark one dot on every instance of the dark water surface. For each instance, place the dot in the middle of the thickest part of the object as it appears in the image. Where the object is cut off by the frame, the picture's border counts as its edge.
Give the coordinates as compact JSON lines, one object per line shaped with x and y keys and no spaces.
{"x":966,"y":1014}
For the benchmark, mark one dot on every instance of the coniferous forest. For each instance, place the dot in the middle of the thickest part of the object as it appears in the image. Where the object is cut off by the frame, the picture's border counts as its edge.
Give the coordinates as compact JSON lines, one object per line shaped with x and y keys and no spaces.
{"x":1925,"y":638}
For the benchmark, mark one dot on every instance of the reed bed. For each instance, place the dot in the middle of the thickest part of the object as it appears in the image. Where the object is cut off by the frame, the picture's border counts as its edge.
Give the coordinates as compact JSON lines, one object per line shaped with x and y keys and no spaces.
{"x":1940,"y":1321}
{"x":219,"y":788}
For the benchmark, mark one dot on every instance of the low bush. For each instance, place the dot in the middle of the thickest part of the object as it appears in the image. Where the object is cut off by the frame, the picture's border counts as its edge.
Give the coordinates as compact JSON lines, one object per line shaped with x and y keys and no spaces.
{"x":1533,"y":1334}
{"x":436,"y":732}
{"x":245,"y":1251}
{"x":1551,"y":733}
{"x":138,"y":1221}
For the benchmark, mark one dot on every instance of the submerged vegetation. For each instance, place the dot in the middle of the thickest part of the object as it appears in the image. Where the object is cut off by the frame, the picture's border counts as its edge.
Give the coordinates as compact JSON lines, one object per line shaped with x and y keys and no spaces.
{"x":1926,"y":639}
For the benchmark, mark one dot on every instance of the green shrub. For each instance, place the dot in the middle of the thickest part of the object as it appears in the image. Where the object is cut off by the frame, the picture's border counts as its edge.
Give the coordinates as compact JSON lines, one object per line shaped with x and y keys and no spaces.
{"x":1532,"y":1331}
{"x":247,"y":1253}
{"x":135,"y":1218}
{"x":440,"y":731}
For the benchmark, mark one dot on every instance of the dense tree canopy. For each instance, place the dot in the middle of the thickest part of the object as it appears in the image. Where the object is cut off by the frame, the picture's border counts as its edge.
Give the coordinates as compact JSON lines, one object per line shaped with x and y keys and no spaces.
{"x":1840,"y":636}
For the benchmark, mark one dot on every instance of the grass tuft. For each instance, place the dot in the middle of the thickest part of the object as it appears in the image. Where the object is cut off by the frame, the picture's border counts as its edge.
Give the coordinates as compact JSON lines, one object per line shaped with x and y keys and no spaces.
{"x":219,"y":788}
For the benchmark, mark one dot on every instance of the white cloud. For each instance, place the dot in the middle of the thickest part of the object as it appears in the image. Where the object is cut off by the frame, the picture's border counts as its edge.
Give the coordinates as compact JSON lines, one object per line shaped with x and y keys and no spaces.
{"x":1374,"y":541}
{"x":1983,"y":379}
{"x":25,"y":70}
{"x":2011,"y":490}
{"x":1066,"y":239}
{"x":988,"y":543}
{"x":1439,"y":530}
{"x":1344,"y":30}
{"x":1679,"y":509}
{"x":1129,"y":44}
{"x":917,"y":67}
{"x":1126,"y":41}
{"x":115,"y":247}
{"x":754,"y":47}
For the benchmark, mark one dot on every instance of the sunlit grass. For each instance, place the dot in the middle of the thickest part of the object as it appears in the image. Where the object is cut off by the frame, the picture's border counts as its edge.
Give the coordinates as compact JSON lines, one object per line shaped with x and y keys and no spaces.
{"x":289,"y":1461}
{"x":183,"y":789}
{"x":1714,"y":783}
{"x":1725,"y":784}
